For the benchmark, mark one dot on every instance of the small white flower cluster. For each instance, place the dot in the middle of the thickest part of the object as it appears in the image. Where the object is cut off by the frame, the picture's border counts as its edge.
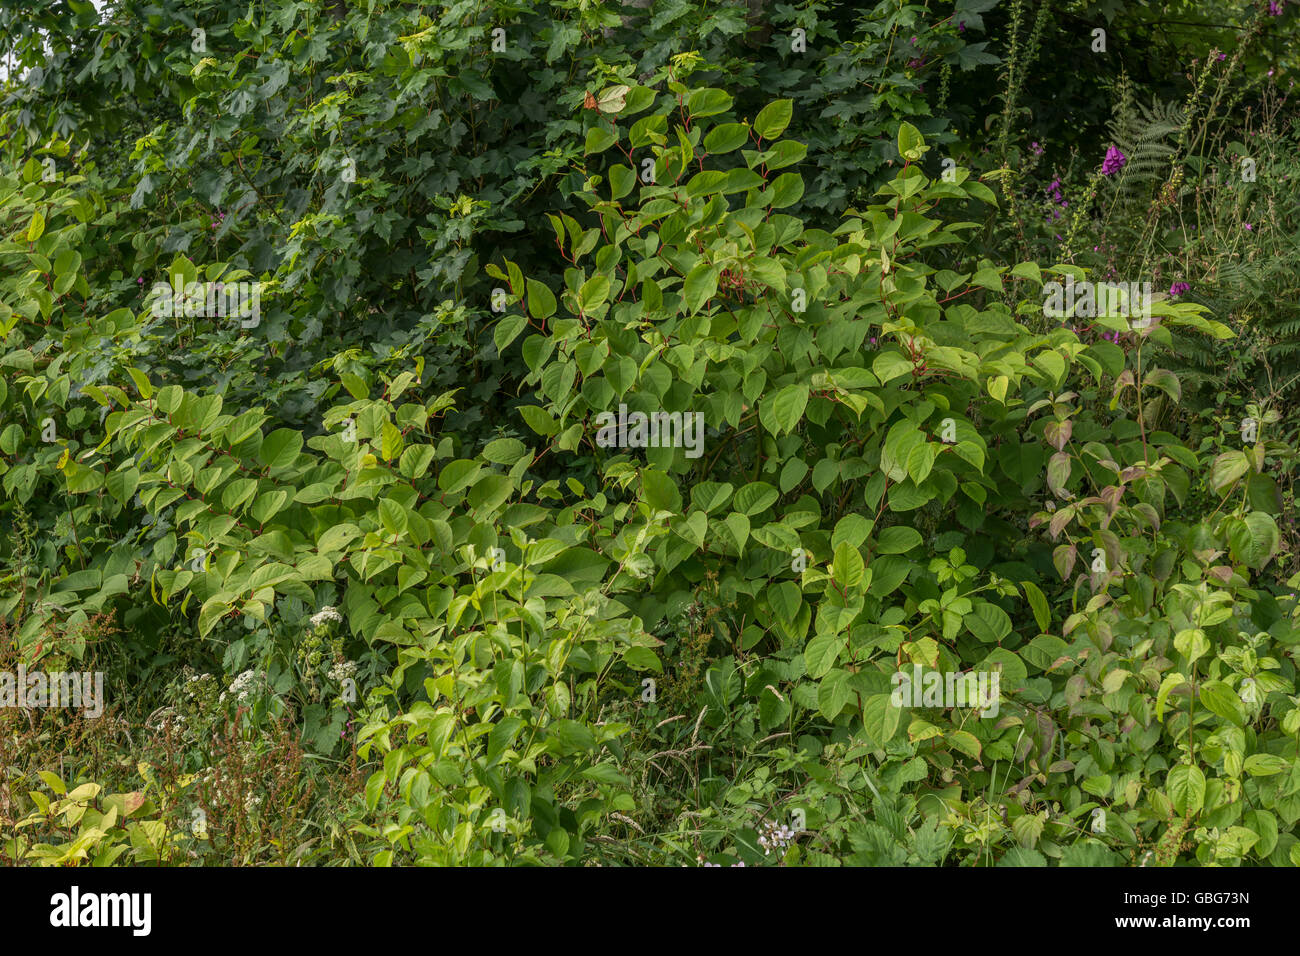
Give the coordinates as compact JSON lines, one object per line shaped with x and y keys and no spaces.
{"x":342,"y":671}
{"x":195,"y":679}
{"x":241,"y":687}
{"x":775,"y":836}
{"x":324,"y":615}
{"x":707,"y":863}
{"x":222,"y":791}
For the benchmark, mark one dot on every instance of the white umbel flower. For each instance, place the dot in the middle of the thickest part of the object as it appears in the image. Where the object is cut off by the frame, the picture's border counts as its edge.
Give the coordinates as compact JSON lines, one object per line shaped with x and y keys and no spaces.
{"x":325,"y":614}
{"x":342,"y":671}
{"x":242,"y":686}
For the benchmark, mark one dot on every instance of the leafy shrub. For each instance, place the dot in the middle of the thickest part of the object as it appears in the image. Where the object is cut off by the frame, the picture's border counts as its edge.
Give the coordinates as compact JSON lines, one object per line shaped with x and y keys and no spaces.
{"x":401,"y":574}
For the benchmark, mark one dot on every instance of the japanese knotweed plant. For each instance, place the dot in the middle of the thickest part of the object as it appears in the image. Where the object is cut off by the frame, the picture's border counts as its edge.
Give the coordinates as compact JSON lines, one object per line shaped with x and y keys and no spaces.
{"x":491,"y":606}
{"x":856,"y":409}
{"x":444,"y":563}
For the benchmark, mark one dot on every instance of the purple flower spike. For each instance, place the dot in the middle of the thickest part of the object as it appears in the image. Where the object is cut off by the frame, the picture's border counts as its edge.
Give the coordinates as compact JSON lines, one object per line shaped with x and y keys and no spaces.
{"x":1114,"y":162}
{"x":1178,"y":289}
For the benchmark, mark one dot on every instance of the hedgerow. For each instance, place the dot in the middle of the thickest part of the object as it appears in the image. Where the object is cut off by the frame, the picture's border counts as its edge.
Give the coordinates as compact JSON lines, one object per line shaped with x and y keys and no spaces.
{"x":605,"y":487}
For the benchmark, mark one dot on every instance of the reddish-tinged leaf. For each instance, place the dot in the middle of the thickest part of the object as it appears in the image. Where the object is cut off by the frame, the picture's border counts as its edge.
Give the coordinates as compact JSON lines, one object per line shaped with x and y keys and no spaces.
{"x":1063,"y":557}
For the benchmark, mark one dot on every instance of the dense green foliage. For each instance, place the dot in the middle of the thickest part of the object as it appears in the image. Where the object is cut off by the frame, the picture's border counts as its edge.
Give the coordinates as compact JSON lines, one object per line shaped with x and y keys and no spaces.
{"x":375,"y":575}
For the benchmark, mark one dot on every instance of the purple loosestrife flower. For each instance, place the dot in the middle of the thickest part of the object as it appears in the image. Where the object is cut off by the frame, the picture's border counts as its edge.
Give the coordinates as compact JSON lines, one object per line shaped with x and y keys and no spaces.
{"x":1249,"y":227}
{"x":1179,"y":288}
{"x":1274,"y":8}
{"x":1113,"y":162}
